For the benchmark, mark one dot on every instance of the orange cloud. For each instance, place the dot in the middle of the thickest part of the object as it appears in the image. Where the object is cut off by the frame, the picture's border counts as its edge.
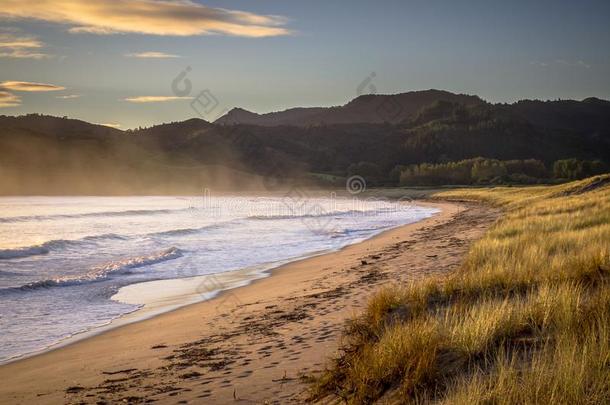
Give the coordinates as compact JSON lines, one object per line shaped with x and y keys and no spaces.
{"x":110,"y":124}
{"x":152,"y":55}
{"x":154,"y":17}
{"x":15,"y":45}
{"x":29,"y":86}
{"x":9,"y":99}
{"x":155,"y":99}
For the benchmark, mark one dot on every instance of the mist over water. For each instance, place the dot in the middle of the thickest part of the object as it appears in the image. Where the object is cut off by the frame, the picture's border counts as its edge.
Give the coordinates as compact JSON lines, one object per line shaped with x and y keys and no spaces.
{"x":63,"y":258}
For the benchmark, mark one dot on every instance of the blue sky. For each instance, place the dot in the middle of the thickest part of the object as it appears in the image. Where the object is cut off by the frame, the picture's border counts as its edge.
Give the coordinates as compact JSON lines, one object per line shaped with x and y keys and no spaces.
{"x":281,"y":54}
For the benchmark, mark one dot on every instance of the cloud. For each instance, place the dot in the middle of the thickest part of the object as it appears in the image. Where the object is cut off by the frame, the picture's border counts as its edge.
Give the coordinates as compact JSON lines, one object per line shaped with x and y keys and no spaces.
{"x":155,"y":99}
{"x":9,"y":99}
{"x":153,"y":17}
{"x":110,"y":124}
{"x":68,"y":97}
{"x":579,"y":63}
{"x":29,"y":86}
{"x":16,"y":45}
{"x":541,"y":64}
{"x":563,"y":62}
{"x":152,"y":55}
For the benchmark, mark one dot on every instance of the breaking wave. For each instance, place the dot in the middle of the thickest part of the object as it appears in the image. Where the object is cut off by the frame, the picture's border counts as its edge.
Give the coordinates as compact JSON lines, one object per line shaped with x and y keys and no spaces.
{"x":313,"y":215}
{"x":102,"y":272}
{"x":47,"y":247}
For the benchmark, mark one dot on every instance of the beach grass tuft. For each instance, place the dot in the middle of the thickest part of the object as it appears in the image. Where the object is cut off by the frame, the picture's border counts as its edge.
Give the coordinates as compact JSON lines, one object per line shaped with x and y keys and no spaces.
{"x":526,"y":319}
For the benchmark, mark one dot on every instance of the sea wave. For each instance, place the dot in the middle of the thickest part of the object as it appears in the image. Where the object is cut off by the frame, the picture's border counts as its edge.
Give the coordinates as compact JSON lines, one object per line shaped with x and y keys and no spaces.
{"x":25,"y":218}
{"x":102,"y":272}
{"x":23,"y":252}
{"x":309,"y":215}
{"x":105,"y":236}
{"x":184,"y":231}
{"x":47,"y":247}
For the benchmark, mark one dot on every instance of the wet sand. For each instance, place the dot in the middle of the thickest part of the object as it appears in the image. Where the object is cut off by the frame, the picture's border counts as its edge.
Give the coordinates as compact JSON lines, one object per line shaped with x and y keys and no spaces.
{"x":252,"y":344}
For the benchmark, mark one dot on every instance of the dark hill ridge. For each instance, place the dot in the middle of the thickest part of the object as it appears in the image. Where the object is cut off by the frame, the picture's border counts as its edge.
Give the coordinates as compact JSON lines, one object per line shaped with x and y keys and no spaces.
{"x":591,"y":114}
{"x":58,"y":126}
{"x":373,"y":135}
{"x":368,"y":108}
{"x":300,"y":116}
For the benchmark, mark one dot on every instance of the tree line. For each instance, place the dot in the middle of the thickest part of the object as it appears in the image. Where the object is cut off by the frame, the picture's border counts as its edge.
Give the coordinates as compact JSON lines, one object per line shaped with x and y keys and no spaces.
{"x":478,"y":171}
{"x":493,"y":171}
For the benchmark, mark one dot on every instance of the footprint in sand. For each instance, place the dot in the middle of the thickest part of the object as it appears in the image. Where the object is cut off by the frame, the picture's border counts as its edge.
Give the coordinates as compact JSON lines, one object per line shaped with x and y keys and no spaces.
{"x":245,"y":374}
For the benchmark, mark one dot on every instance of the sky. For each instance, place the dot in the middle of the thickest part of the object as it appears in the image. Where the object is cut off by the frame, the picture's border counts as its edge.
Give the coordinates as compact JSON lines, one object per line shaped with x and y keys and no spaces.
{"x":131,"y":63}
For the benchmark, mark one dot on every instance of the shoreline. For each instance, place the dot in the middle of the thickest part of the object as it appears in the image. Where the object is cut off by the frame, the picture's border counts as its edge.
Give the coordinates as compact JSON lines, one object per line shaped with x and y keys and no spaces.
{"x":45,"y":377}
{"x":158,"y":304}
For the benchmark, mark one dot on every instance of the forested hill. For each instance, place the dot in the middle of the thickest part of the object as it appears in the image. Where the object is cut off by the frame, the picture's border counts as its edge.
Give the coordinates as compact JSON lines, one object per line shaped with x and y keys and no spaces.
{"x":369,"y":108}
{"x":434,"y":138}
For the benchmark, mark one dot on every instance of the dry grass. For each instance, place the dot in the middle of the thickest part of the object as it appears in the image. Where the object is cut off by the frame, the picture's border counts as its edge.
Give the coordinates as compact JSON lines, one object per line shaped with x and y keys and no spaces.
{"x":525,"y":320}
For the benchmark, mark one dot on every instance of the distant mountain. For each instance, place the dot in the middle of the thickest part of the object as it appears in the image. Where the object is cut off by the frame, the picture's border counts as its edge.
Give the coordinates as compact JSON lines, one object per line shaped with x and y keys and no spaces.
{"x":365,"y":109}
{"x":375,"y":135}
{"x":53,"y":126}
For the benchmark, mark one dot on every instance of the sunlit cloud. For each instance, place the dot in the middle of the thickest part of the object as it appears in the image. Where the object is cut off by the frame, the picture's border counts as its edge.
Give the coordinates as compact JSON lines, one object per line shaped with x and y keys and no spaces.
{"x":9,"y":99}
{"x":154,"y":17}
{"x":110,"y":124}
{"x":151,"y":55}
{"x":29,"y":86}
{"x":16,"y":45}
{"x":155,"y":99}
{"x":68,"y":97}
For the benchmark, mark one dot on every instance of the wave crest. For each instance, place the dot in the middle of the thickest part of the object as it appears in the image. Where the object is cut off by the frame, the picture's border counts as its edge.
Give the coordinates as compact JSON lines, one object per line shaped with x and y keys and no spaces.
{"x":55,"y":244}
{"x":315,"y":215}
{"x":103,"y":272}
{"x":24,"y":218}
{"x":23,"y":252}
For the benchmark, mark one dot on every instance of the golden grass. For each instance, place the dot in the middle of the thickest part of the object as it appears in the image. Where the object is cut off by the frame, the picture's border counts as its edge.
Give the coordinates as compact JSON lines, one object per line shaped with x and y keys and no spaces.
{"x":525,"y":320}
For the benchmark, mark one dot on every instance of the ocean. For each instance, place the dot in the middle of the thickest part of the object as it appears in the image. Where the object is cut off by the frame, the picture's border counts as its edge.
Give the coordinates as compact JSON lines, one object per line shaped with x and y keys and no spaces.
{"x":68,"y":264}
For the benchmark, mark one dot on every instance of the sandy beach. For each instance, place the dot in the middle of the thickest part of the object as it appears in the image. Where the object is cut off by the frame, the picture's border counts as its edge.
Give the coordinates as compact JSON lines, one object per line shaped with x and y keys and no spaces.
{"x":252,"y":344}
